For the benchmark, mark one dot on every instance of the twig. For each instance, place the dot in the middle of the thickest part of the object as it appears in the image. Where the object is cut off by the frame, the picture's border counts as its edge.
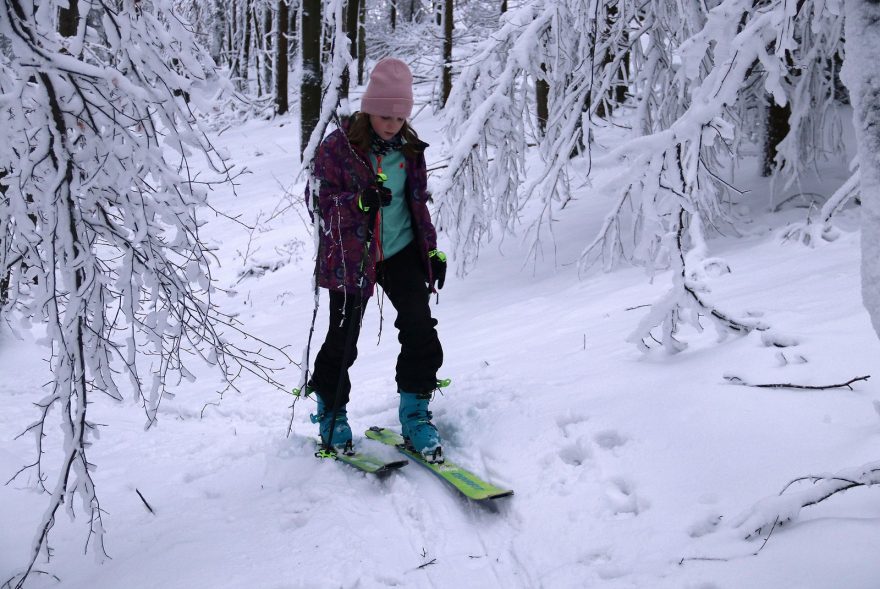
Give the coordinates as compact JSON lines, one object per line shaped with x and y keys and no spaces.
{"x":9,"y":581}
{"x":721,"y":559}
{"x":430,"y":562}
{"x":818,"y":479}
{"x":702,"y":558}
{"x":767,"y":539}
{"x":739,"y":381}
{"x":149,"y":508}
{"x":789,"y":199}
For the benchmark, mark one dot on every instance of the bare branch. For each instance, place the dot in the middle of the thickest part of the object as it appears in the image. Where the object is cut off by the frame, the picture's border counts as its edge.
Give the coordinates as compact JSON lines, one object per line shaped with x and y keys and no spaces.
{"x":848,"y":384}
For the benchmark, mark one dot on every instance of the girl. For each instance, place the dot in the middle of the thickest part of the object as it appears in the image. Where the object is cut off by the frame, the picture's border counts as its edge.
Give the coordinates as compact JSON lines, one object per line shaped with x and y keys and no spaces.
{"x":375,"y":228}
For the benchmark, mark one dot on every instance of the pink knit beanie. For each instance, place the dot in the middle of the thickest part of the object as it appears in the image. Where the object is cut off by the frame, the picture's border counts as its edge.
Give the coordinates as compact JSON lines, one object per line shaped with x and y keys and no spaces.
{"x":389,"y":92}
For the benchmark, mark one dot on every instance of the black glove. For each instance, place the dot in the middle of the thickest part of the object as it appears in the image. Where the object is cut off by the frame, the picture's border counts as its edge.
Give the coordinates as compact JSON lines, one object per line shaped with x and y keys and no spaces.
{"x":374,"y":196}
{"x":438,"y":267}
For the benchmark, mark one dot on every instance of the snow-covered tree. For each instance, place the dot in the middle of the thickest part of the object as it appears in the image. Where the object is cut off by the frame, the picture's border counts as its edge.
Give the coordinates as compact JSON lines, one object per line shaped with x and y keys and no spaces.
{"x":100,"y":219}
{"x":861,"y":74}
{"x":862,"y":77}
{"x":695,"y":73}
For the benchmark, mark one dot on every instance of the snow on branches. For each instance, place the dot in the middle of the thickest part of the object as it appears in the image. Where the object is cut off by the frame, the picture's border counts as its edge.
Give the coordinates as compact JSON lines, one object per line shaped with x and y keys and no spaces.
{"x":862,"y":77}
{"x":806,"y":491}
{"x":487,"y":113}
{"x":99,"y":217}
{"x":692,"y":75}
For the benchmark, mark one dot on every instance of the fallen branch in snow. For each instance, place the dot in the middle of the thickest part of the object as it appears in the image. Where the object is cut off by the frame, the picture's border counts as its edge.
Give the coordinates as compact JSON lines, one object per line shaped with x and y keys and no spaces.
{"x":767,"y":538}
{"x":702,"y":559}
{"x":785,"y":508}
{"x":813,"y":197}
{"x":149,"y":507}
{"x":776,"y":523}
{"x":9,"y":581}
{"x":737,"y":380}
{"x":429,"y":563}
{"x":768,"y":514}
{"x":811,"y":233}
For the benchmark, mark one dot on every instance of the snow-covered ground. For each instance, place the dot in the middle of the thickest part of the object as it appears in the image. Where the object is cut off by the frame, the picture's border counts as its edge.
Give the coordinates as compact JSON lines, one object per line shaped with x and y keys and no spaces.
{"x":622,"y":462}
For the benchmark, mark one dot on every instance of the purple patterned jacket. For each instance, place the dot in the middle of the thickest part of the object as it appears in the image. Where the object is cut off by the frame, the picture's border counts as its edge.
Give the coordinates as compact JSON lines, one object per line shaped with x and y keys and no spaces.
{"x":343,"y":172}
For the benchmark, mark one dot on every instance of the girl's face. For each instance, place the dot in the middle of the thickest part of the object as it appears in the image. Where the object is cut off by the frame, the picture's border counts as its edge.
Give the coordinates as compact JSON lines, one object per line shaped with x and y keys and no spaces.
{"x":386,"y":127}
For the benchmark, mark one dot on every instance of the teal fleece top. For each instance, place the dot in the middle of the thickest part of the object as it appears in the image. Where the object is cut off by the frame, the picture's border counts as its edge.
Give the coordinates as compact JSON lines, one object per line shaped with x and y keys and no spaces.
{"x":396,"y":229}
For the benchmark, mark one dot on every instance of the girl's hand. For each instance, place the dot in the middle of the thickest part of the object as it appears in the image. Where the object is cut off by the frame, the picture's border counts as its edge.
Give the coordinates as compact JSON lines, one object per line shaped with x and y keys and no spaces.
{"x":438,"y":267}
{"x":374,"y":196}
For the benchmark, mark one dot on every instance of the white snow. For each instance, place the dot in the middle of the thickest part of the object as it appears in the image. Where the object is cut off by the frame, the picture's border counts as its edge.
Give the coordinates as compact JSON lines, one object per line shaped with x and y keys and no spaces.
{"x":630,"y":469}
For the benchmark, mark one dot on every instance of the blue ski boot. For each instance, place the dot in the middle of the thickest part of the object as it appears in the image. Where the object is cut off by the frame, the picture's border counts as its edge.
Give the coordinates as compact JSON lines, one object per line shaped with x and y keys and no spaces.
{"x":341,"y":440}
{"x":420,"y":434}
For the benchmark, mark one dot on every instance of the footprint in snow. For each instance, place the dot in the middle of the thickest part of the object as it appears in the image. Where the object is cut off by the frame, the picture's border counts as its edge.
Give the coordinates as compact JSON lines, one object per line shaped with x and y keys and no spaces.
{"x":570,"y":423}
{"x":622,"y":497}
{"x":576,"y":453}
{"x":610,"y":440}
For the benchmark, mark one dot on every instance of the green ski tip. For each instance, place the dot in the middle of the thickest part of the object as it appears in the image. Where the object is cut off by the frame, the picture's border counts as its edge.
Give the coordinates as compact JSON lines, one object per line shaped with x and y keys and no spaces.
{"x":464,"y":481}
{"x":361,"y":461}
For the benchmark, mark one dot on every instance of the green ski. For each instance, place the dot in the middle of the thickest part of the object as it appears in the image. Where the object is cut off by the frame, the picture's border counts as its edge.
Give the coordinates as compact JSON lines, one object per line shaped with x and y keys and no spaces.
{"x":467,"y":483}
{"x":363,"y":462}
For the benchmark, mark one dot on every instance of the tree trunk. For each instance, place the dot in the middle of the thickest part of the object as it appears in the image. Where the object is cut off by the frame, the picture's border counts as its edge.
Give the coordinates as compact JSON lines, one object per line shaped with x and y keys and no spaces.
{"x":862,"y":76}
{"x":68,"y":19}
{"x":352,"y":10}
{"x":542,"y":101}
{"x":293,"y":8}
{"x":438,"y":12}
{"x":777,"y":128}
{"x":231,"y":41}
{"x":409,"y":11}
{"x":246,"y":48}
{"x":617,"y":93}
{"x":259,"y":52}
{"x":4,"y":255}
{"x":393,"y":15}
{"x":583,"y":135}
{"x":218,"y":29}
{"x":4,"y":289}
{"x":503,"y":6}
{"x":362,"y":41}
{"x":282,"y":21}
{"x":312,"y":76}
{"x":448,"y":25}
{"x":266,"y":43}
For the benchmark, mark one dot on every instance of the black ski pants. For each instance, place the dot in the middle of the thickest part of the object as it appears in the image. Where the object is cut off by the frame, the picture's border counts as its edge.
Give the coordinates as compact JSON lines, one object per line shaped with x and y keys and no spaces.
{"x":403,"y":279}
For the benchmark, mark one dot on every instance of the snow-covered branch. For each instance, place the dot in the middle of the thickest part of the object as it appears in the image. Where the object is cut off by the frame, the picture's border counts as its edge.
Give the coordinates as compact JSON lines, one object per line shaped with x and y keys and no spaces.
{"x":785,"y":508}
{"x":686,"y":302}
{"x":692,"y":74}
{"x":812,"y":232}
{"x":99,"y":219}
{"x":489,"y":108}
